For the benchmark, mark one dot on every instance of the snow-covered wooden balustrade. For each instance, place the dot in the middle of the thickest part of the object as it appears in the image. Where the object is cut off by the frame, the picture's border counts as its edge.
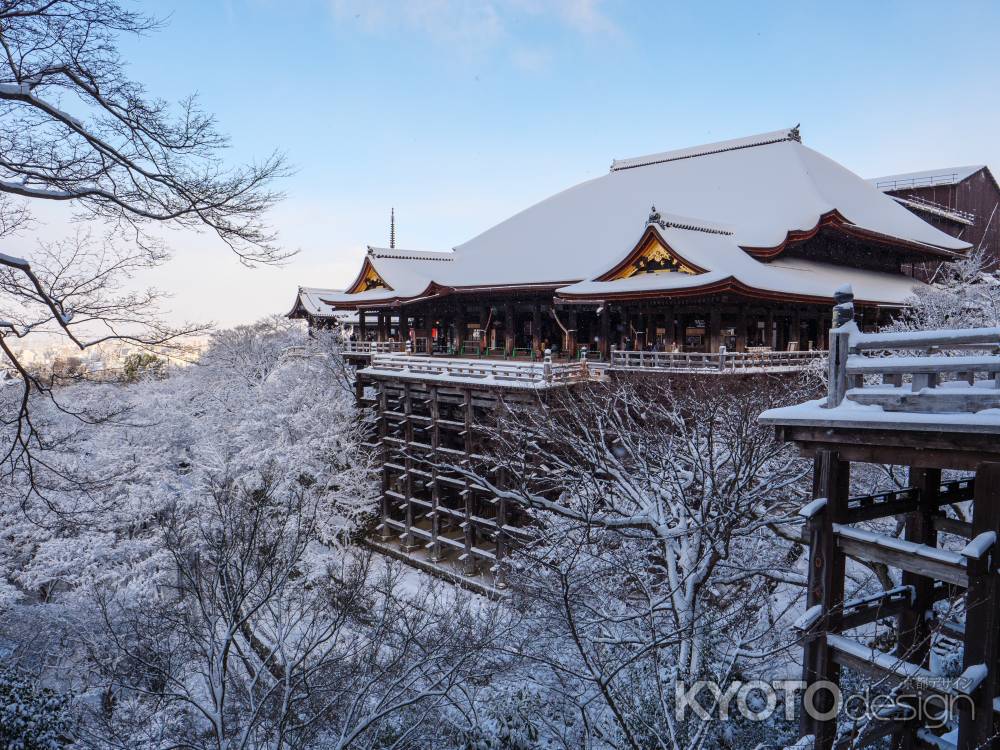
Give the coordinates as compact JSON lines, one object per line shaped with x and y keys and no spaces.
{"x":933,"y":407}
{"x":710,"y":362}
{"x":499,"y":372}
{"x":367,"y":349}
{"x":431,"y":414}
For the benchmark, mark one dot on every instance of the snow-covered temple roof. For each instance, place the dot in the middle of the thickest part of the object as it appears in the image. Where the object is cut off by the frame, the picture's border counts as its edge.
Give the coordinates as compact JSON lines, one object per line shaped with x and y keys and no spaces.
{"x":925,"y":178}
{"x":731,"y":206}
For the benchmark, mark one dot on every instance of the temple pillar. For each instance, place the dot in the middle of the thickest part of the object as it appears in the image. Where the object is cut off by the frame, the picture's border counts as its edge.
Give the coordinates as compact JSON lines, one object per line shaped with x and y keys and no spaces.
{"x":508,"y":329}
{"x":741,"y":331}
{"x":605,"y":316}
{"x":536,"y":329}
{"x":570,"y":343}
{"x":640,"y":330}
{"x":404,"y":327}
{"x":714,"y":329}
{"x":769,"y":330}
{"x":362,"y":327}
{"x":461,"y":329}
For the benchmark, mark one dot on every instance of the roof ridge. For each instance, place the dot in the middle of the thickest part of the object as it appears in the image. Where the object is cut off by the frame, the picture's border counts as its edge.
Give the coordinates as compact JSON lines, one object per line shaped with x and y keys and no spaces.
{"x":761,"y":139}
{"x":674,"y":221}
{"x":438,"y":255}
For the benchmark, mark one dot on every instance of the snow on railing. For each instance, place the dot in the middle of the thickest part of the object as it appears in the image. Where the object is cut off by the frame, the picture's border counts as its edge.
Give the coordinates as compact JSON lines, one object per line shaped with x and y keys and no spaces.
{"x":373,"y":347}
{"x":720,"y":361}
{"x":927,"y":382}
{"x":493,"y":371}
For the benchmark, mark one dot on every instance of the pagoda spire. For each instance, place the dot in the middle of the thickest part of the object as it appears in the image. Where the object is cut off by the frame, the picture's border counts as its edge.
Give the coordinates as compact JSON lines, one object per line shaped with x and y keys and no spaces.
{"x":392,"y":228}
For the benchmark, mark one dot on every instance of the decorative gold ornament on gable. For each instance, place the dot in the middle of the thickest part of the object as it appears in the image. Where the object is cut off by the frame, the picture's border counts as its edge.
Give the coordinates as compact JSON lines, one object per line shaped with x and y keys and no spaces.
{"x":369,"y":280}
{"x":654,"y":258}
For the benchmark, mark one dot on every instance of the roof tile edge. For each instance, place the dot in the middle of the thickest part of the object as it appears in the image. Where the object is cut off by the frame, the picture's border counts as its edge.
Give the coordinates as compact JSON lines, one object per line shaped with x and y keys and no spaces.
{"x":762,"y":139}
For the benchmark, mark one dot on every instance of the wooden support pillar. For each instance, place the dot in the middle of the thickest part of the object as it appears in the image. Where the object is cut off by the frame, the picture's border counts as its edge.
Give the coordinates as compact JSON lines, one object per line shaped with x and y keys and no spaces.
{"x":461,"y":328}
{"x":797,"y":329}
{"x":714,"y":329}
{"x":408,"y":540}
{"x":913,"y":632}
{"x":741,"y":331}
{"x":383,"y":407}
{"x":769,"y":330}
{"x":536,"y":329}
{"x":605,"y":331}
{"x":508,"y":329}
{"x":977,"y":727}
{"x":435,"y":412}
{"x":668,"y":328}
{"x":469,"y":566}
{"x":362,"y":326}
{"x":484,"y":324}
{"x":825,"y":588}
{"x":571,"y":337}
{"x":404,"y":326}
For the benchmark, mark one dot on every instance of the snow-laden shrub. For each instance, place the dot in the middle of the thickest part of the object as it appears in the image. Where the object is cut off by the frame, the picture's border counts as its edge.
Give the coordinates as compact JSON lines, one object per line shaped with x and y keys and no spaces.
{"x":32,"y":717}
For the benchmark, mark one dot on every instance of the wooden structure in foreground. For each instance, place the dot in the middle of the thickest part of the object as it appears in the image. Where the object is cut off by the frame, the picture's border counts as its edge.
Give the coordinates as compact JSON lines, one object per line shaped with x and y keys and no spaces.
{"x":431,"y":412}
{"x":928,"y":423}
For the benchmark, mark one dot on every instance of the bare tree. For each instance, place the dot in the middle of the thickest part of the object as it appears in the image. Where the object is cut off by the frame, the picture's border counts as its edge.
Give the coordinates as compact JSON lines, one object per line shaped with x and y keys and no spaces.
{"x":254,"y":645}
{"x":75,"y":128}
{"x":653,"y":559}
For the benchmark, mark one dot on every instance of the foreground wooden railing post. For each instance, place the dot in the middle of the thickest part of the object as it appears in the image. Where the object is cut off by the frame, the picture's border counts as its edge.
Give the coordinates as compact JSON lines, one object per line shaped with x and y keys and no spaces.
{"x":977,"y":727}
{"x":827,"y":565}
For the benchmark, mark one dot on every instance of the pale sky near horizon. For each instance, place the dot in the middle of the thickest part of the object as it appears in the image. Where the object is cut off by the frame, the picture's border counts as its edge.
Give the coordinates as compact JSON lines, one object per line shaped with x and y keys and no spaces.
{"x":461,"y":112}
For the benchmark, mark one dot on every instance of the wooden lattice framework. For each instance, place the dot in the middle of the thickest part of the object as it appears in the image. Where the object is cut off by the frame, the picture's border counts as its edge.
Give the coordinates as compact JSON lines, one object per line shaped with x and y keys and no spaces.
{"x":931,"y":432}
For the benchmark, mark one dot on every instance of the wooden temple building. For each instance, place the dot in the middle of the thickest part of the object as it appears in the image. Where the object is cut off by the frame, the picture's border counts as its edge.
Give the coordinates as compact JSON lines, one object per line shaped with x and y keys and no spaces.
{"x":961,"y":201}
{"x":735,"y":244}
{"x":935,"y":414}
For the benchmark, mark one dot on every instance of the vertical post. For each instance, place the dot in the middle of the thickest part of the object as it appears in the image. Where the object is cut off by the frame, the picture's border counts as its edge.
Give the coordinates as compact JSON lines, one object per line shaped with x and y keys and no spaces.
{"x":547,"y":366}
{"x":843,"y":313}
{"x":404,"y":326}
{"x":826,"y":581}
{"x":605,"y":331}
{"x":913,"y":633}
{"x":715,"y":328}
{"x":435,"y":425}
{"x":383,"y":407}
{"x":571,"y":334}
{"x":469,"y":567}
{"x":362,"y":327}
{"x":536,"y":328}
{"x":741,"y":331}
{"x":461,"y":328}
{"x":722,"y":359}
{"x":982,"y":618}
{"x":408,"y":541}
{"x":508,"y":329}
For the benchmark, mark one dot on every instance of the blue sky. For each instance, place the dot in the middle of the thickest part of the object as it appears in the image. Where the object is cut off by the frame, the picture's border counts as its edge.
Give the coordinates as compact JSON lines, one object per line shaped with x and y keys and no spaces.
{"x":461,"y":112}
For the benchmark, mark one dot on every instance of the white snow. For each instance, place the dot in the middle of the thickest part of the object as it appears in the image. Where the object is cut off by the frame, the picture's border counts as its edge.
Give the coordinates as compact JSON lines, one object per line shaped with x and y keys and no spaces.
{"x":12,"y":260}
{"x":809,"y":617}
{"x":901,"y":545}
{"x":811,"y":509}
{"x":861,"y":416}
{"x":980,"y":546}
{"x":891,"y":664}
{"x":971,"y":678}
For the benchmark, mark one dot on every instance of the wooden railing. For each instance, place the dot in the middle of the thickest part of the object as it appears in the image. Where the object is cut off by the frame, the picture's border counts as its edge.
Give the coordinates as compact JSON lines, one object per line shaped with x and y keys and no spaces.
{"x":372,"y":347}
{"x":545,"y":372}
{"x":939,"y":378}
{"x":721,"y":361}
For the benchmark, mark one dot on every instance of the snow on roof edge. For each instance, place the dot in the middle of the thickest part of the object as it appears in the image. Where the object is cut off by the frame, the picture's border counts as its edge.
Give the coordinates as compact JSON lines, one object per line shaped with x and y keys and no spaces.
{"x":761,"y":139}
